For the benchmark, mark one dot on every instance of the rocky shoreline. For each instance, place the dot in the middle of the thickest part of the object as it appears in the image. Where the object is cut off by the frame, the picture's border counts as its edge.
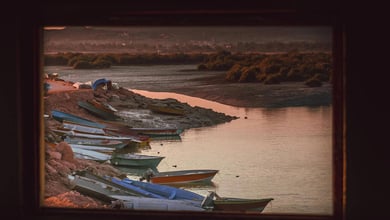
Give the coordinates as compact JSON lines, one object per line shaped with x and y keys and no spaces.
{"x":59,"y":160}
{"x":134,"y":111}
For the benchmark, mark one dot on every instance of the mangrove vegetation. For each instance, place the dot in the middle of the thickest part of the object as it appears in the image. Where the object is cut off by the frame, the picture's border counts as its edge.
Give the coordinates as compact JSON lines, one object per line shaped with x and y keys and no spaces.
{"x":312,"y":68}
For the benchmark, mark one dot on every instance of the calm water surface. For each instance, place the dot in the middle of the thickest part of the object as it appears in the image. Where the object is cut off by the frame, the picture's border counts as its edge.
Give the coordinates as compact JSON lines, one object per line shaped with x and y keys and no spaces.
{"x":283,"y":153}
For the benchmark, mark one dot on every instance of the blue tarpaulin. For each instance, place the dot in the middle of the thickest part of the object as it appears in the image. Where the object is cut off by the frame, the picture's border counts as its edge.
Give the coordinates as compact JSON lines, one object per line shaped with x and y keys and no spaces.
{"x":99,"y":82}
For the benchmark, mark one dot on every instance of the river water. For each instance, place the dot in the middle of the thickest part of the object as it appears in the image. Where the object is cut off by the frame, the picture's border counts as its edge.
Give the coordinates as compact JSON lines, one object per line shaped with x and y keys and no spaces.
{"x":283,"y":153}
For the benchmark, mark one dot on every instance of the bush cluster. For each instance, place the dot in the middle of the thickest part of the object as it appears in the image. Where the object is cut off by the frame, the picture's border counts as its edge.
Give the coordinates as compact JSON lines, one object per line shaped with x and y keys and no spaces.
{"x":98,"y":61}
{"x":311,"y":68}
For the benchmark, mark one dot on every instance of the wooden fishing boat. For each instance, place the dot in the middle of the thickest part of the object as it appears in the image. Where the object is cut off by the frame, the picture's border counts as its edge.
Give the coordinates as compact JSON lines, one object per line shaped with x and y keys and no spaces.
{"x":98,"y":112}
{"x":61,"y":116}
{"x":136,"y":160}
{"x":100,"y":149}
{"x":70,"y":133}
{"x":123,"y":198}
{"x":165,"y":109}
{"x":97,"y":187}
{"x":183,"y":176}
{"x":143,"y":203}
{"x":158,"y":132}
{"x":82,"y":128}
{"x":90,"y":155}
{"x":142,"y":140}
{"x":240,"y":204}
{"x":117,"y":183}
{"x":117,"y":144}
{"x":162,"y":191}
{"x":102,"y":106}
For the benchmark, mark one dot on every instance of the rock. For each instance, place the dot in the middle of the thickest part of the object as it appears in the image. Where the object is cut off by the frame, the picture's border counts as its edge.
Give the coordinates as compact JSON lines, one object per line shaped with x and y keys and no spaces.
{"x":50,"y":170}
{"x":59,"y":167}
{"x":54,"y":155}
{"x":66,"y":151}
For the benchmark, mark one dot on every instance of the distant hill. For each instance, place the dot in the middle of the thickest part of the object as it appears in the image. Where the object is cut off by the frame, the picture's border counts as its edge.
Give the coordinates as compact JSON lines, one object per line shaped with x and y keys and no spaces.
{"x":186,"y":39}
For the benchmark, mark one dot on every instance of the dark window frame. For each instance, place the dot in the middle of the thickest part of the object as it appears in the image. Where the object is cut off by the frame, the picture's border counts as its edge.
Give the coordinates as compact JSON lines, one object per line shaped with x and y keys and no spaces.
{"x":141,"y":14}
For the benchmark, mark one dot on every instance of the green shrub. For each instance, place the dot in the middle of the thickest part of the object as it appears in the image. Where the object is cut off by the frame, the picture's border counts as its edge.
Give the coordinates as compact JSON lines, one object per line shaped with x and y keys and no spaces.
{"x":234,"y":73}
{"x":294,"y":75}
{"x":55,"y":60}
{"x":101,"y":64}
{"x":313,"y":82}
{"x":202,"y":66}
{"x":249,"y":74}
{"x":83,"y":65}
{"x":273,"y":79}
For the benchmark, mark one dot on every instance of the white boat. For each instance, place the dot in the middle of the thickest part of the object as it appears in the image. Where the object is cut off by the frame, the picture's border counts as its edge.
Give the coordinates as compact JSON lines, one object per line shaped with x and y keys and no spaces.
{"x":90,"y":155}
{"x":82,"y":128}
{"x":92,"y":136}
{"x":118,"y":144}
{"x":93,"y":148}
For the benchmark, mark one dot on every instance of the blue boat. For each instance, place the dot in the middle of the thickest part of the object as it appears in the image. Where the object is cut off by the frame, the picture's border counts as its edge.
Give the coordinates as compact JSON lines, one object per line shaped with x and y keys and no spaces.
{"x":61,"y":116}
{"x":135,"y":189}
{"x":122,"y":198}
{"x":166,"y":192}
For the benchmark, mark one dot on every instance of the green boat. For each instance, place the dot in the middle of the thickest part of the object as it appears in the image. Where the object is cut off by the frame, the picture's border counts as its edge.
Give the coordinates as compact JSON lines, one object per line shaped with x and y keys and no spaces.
{"x":135,"y":160}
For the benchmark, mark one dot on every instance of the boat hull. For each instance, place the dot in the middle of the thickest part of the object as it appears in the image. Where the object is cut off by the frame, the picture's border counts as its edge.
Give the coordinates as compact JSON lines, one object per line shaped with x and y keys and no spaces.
{"x":98,"y":112}
{"x":117,"y":144}
{"x":166,"y":110}
{"x":141,"y":203}
{"x":181,"y":177}
{"x":90,"y":155}
{"x":237,"y":204}
{"x":61,"y":116}
{"x":136,"y":160}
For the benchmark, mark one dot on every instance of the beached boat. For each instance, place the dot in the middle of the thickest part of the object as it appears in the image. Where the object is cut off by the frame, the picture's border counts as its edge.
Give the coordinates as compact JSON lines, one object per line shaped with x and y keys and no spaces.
{"x":142,"y":203}
{"x":136,"y":160}
{"x":182,"y":176}
{"x":123,"y":198}
{"x":142,"y":140}
{"x":100,"y":149}
{"x":82,"y":128}
{"x":240,"y":204}
{"x":163,"y":191}
{"x":61,"y":116}
{"x":70,"y":133}
{"x":90,"y":155}
{"x":117,"y":144}
{"x":165,"y":109}
{"x":97,"y":187}
{"x":98,"y":112}
{"x":158,"y":132}
{"x":102,"y":105}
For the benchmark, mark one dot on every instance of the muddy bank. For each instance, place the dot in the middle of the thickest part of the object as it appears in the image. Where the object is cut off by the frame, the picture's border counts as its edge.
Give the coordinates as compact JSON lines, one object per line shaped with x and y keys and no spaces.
{"x":134,"y":109}
{"x":253,"y":95}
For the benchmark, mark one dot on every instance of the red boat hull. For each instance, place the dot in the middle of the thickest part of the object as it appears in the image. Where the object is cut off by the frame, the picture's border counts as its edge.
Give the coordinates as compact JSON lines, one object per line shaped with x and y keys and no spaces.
{"x":183,"y":177}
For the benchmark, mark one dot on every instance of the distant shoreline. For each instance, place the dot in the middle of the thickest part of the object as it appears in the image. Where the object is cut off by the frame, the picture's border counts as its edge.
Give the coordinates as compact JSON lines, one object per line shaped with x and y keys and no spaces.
{"x":255,"y":95}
